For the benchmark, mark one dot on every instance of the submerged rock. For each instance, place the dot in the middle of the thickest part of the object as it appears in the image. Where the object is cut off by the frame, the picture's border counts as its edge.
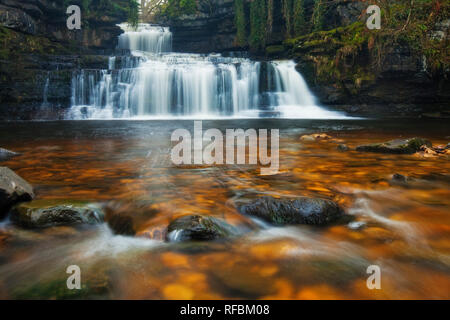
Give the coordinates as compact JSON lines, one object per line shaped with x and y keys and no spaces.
{"x":47,"y":213}
{"x":343,"y":147}
{"x":13,"y":189}
{"x":5,"y":154}
{"x":432,"y":152}
{"x":315,"y":137}
{"x":301,"y":210}
{"x":198,"y":228}
{"x":398,"y":178}
{"x":398,"y":146}
{"x":97,"y":283}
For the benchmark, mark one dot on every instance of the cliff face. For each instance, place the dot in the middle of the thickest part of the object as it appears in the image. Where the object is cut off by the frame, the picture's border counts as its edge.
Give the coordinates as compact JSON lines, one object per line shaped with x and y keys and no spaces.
{"x":38,"y":53}
{"x":48,"y":19}
{"x":211,"y":29}
{"x":340,"y":65}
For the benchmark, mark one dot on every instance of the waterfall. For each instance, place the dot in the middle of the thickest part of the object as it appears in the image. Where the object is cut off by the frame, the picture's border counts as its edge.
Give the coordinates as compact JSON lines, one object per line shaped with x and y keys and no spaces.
{"x":45,"y":103}
{"x":154,"y":82}
{"x":146,"y":38}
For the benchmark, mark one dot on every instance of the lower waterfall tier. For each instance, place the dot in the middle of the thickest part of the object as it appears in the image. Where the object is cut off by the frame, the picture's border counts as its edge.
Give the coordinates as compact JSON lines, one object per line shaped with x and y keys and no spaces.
{"x":190,"y":85}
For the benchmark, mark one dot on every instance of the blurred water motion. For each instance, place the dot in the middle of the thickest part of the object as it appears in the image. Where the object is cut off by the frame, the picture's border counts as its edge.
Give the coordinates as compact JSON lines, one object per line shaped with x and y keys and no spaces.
{"x":402,"y":228}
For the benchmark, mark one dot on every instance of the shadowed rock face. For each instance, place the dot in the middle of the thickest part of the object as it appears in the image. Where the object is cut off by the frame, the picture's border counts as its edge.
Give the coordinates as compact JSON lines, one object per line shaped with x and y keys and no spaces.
{"x":198,"y":228}
{"x":13,"y":189}
{"x":211,"y":29}
{"x":301,"y":210}
{"x":42,"y":53}
{"x":48,"y":18}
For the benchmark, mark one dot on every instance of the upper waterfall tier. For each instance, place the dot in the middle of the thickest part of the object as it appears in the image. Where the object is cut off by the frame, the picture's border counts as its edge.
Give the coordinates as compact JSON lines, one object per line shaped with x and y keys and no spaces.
{"x":156,"y":83}
{"x":146,"y":38}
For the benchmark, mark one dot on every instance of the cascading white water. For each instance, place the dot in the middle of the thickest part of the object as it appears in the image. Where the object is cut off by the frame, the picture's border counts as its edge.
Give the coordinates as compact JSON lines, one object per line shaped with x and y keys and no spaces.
{"x":146,"y":38}
{"x":156,"y":83}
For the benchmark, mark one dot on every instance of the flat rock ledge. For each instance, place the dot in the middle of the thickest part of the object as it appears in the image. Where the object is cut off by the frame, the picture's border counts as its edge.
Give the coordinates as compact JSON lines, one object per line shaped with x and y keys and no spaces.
{"x":49,"y":213}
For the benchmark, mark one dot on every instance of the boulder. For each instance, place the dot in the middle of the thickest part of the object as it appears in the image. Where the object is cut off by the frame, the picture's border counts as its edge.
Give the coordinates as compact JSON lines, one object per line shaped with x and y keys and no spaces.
{"x":5,"y":154}
{"x":398,"y":146}
{"x":300,"y":210}
{"x":13,"y":189}
{"x":343,"y":147}
{"x":198,"y":228}
{"x":48,"y":213}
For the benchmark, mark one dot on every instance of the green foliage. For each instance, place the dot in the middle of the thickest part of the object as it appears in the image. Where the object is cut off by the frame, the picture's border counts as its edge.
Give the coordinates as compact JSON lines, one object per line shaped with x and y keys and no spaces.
{"x":133,"y":13}
{"x":240,"y":22}
{"x":258,"y":24}
{"x":287,"y":14}
{"x":299,"y":23}
{"x":294,"y":17}
{"x":176,"y":8}
{"x":317,"y":20}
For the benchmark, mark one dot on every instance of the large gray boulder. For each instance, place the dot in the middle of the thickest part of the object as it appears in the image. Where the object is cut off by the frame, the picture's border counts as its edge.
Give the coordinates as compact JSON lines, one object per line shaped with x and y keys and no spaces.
{"x":13,"y":189}
{"x":300,"y":210}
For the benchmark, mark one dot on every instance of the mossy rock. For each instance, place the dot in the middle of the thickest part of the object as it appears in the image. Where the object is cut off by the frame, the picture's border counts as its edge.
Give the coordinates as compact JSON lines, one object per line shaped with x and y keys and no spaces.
{"x":300,"y":210}
{"x":198,"y":228}
{"x":275,"y":50}
{"x":47,"y":213}
{"x":96,"y":283}
{"x":398,"y":146}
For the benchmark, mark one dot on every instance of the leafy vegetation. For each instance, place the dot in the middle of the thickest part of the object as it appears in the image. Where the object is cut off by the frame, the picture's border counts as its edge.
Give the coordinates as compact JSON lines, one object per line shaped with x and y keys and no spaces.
{"x":354,"y":54}
{"x":176,"y":8}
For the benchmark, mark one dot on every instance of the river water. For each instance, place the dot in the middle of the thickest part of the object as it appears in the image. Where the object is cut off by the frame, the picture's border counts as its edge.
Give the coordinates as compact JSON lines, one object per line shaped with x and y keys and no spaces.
{"x":124,"y":164}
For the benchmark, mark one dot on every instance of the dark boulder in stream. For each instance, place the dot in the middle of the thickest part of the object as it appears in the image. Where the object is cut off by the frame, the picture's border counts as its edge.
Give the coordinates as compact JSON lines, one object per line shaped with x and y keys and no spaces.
{"x":13,"y":189}
{"x":48,"y":213}
{"x":198,"y":228}
{"x":300,"y":210}
{"x":398,"y":146}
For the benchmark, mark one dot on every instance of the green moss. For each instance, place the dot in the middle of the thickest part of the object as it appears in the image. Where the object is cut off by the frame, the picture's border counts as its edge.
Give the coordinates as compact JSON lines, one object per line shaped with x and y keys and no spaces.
{"x":275,"y":50}
{"x":240,"y":23}
{"x":258,"y":24}
{"x":95,"y":284}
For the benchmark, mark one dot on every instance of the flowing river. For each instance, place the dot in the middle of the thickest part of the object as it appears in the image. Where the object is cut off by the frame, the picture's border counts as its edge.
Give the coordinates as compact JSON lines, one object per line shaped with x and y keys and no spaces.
{"x":124,"y":164}
{"x":404,"y":228}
